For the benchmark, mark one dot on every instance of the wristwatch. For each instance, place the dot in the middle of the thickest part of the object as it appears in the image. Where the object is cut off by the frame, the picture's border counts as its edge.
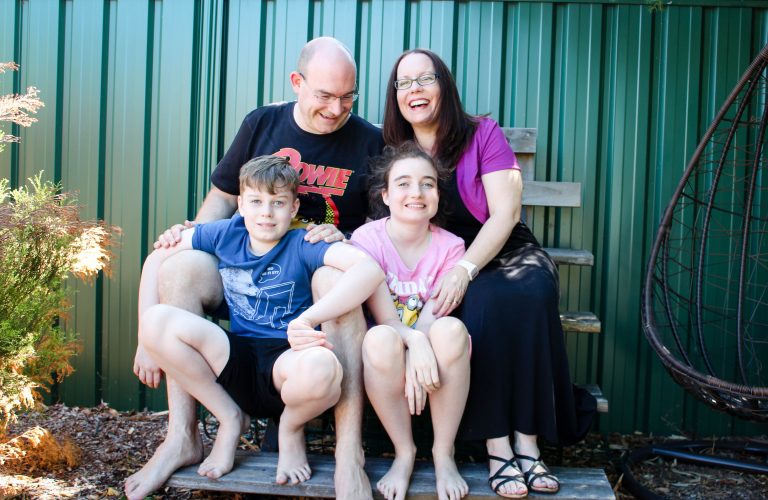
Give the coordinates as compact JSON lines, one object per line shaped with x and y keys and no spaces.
{"x":470,"y":267}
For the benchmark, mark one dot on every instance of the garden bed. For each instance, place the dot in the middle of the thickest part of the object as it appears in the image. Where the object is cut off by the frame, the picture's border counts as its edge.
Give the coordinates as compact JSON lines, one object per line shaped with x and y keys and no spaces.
{"x":115,"y":444}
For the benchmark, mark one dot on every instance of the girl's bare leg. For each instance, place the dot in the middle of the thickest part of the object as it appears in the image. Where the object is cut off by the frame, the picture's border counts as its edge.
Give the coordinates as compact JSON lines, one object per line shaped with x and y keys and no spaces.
{"x":450,"y":343}
{"x":384,"y":374}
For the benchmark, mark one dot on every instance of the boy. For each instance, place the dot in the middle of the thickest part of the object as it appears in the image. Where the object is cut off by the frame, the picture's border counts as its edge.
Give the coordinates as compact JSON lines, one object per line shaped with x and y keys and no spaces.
{"x":266,"y":272}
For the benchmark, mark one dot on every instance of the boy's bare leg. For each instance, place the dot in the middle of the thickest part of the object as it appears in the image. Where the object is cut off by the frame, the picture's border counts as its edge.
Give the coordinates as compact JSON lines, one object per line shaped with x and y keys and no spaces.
{"x":346,"y":334}
{"x":450,"y":343}
{"x":188,"y":280}
{"x":309,"y":382}
{"x":194,"y":351}
{"x":384,"y":372}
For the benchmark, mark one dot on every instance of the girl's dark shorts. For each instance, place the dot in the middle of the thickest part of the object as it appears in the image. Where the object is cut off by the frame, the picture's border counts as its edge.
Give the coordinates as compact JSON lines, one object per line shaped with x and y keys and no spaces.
{"x":247,"y":377}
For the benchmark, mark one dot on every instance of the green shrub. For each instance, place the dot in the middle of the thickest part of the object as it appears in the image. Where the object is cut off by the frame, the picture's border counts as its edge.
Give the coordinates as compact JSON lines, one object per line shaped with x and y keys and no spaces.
{"x":43,"y":242}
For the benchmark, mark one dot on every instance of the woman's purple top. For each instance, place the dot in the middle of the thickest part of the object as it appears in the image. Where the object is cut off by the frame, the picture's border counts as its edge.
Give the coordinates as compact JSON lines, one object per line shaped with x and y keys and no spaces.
{"x":487,"y":152}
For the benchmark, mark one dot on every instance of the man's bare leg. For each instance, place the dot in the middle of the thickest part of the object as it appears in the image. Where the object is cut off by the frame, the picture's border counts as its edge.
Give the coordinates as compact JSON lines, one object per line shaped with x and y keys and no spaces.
{"x":189,"y":280}
{"x":346,"y":334}
{"x":182,"y":446}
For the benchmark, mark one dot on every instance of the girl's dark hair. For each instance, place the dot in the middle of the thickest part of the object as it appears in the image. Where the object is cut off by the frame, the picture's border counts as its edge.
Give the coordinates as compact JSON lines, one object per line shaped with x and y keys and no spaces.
{"x":378,"y":177}
{"x":455,"y":127}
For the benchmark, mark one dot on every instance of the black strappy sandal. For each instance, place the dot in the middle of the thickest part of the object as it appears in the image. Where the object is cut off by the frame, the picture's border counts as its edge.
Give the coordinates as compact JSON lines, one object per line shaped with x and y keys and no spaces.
{"x":531,"y":476}
{"x":503,"y":479}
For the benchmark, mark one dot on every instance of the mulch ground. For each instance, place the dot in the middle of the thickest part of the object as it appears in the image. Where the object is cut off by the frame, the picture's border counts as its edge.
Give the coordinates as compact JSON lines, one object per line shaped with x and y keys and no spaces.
{"x":112,"y":445}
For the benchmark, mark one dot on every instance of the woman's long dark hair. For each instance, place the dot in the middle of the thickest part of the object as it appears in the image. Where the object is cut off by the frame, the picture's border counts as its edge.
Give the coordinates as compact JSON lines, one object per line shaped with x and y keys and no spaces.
{"x":378,"y":178}
{"x":455,"y":127}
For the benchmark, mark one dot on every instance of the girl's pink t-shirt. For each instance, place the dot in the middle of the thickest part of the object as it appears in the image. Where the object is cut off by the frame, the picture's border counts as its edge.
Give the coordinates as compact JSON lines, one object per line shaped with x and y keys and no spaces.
{"x":410,"y":288}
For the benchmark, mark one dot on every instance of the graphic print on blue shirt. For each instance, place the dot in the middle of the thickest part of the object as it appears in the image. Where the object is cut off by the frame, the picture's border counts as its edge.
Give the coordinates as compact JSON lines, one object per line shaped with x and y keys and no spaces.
{"x":264,"y":293}
{"x":262,"y":304}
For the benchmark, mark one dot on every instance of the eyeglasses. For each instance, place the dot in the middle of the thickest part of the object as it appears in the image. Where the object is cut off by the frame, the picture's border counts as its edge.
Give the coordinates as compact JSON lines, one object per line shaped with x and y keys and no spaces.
{"x":423,"y":81}
{"x":326,"y":98}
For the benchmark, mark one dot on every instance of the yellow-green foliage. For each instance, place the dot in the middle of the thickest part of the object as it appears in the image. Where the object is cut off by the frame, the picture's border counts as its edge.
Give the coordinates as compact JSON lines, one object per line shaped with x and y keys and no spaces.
{"x":42,"y":242}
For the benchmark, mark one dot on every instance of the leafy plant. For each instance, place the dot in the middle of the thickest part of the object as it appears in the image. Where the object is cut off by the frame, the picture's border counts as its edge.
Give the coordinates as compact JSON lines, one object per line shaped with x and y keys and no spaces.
{"x":43,"y":242}
{"x":15,"y":108}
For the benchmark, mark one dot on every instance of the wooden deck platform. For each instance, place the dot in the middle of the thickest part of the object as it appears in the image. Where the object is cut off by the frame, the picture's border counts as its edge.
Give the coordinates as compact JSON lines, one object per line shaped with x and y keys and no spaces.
{"x":255,"y":473}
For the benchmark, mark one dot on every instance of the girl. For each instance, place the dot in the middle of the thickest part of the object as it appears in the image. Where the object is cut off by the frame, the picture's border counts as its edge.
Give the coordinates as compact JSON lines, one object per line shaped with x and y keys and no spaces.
{"x":521,"y":383}
{"x":411,"y":356}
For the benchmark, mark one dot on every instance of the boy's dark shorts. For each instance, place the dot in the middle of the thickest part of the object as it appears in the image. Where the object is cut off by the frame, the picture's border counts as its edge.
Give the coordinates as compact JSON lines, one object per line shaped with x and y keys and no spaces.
{"x":247,"y":377}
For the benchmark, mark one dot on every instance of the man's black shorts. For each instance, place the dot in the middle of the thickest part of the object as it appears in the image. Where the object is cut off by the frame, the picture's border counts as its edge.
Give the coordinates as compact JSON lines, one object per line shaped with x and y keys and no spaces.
{"x":247,"y":377}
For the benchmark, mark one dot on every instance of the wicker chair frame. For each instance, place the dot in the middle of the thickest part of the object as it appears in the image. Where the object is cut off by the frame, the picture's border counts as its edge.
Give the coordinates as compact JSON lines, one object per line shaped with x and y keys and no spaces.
{"x":725,"y":180}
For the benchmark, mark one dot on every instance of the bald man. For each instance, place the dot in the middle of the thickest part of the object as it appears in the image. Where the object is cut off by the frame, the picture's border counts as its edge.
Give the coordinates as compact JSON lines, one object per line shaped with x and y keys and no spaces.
{"x":330,"y":147}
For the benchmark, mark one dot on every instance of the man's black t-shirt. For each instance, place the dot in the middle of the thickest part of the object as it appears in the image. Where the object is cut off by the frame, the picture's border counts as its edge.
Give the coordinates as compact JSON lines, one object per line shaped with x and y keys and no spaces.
{"x":332,"y":168}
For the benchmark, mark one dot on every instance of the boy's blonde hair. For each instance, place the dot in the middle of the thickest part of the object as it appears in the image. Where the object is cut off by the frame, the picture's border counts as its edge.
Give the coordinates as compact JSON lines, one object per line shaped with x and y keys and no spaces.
{"x":271,"y":173}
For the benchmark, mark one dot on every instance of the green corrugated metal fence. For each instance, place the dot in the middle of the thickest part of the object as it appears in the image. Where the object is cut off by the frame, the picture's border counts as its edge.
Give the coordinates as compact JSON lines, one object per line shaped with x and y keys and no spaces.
{"x":143,"y":97}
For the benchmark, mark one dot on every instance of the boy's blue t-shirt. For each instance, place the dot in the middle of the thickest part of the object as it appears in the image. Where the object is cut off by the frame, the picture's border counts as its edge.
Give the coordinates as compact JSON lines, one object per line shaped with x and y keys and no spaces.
{"x":263,"y":293}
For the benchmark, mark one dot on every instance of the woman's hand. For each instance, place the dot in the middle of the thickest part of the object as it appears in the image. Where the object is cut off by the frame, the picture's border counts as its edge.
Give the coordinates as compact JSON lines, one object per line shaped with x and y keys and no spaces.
{"x":325,"y":232}
{"x":172,"y":235}
{"x":146,"y":369}
{"x":449,"y":291}
{"x":302,"y":335}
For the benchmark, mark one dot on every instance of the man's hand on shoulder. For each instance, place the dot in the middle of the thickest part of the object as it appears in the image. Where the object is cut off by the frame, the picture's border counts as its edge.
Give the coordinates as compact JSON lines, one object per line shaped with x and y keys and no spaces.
{"x":171,"y":236}
{"x":323,"y":232}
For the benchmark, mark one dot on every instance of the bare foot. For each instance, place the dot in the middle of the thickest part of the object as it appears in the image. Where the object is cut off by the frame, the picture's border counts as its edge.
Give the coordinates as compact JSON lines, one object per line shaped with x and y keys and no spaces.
{"x":292,"y":465}
{"x":450,"y":484}
{"x":394,"y":484}
{"x":349,"y":478}
{"x":176,"y":451}
{"x":222,"y":456}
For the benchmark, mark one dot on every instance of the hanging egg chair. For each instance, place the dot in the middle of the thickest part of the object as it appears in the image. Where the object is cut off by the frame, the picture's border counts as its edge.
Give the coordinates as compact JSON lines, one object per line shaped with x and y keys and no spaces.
{"x":705,"y":299}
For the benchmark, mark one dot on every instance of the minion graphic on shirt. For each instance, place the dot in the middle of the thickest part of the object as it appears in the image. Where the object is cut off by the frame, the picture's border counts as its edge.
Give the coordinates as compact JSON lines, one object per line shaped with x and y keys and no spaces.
{"x":409,"y":312}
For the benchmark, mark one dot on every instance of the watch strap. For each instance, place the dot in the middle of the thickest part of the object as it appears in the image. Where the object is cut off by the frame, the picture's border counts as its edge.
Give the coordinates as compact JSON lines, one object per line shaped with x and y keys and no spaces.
{"x":470,"y":268}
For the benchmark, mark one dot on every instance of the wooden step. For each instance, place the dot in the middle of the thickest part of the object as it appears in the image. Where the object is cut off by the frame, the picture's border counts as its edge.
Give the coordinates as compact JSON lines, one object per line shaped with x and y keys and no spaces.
{"x":551,"y":194}
{"x":581,"y":322}
{"x":255,"y":473}
{"x":571,"y":257}
{"x":602,"y":401}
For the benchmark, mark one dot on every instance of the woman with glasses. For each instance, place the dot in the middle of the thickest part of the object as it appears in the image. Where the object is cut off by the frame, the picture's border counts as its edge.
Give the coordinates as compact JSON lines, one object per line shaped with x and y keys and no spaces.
{"x":505,"y":287}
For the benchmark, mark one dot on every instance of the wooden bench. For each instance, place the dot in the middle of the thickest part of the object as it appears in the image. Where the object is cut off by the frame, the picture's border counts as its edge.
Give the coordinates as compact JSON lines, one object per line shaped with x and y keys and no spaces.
{"x":552,"y":194}
{"x":255,"y":472}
